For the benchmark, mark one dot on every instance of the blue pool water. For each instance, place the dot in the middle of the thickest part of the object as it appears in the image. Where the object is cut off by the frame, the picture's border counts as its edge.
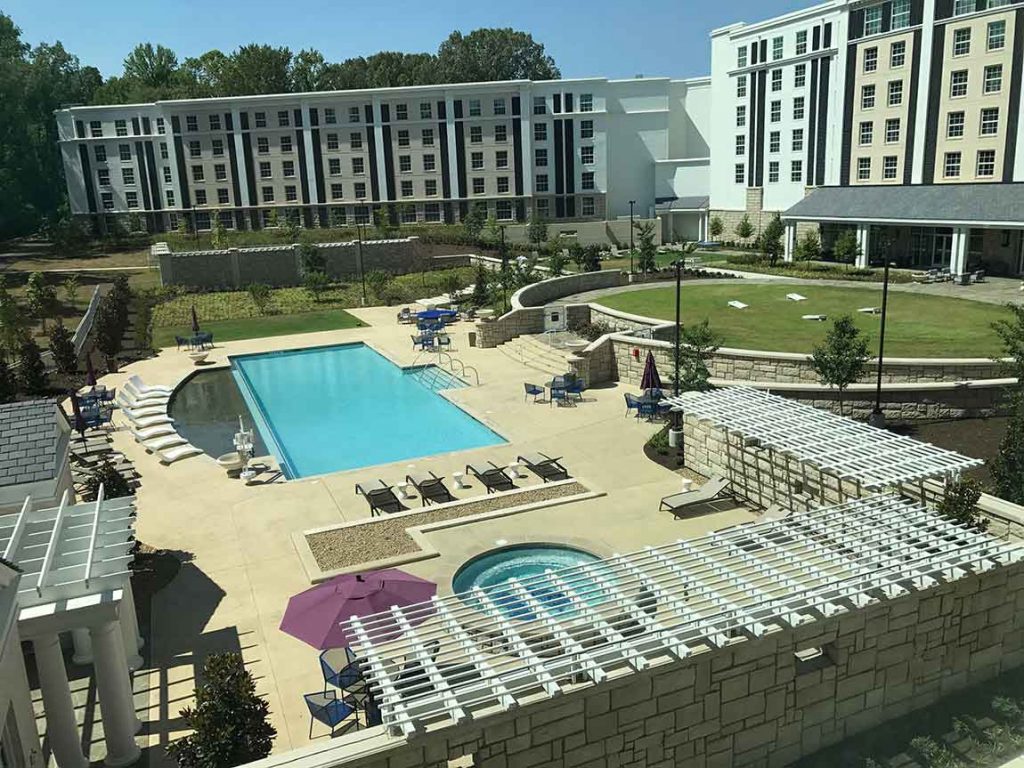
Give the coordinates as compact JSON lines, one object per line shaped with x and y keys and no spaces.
{"x":334,"y":408}
{"x":492,"y":570}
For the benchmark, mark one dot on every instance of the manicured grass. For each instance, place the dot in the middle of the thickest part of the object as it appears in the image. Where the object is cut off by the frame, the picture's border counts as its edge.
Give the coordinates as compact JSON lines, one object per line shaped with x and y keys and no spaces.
{"x":258,"y":327}
{"x":917,"y":325}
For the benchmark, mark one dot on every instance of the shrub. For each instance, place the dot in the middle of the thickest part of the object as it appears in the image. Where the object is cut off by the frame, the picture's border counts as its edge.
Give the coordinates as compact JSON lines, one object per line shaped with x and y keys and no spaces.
{"x":744,"y":258}
{"x":591,"y":331}
{"x":659,"y":442}
{"x":744,"y":229}
{"x":960,"y":502}
{"x":393,"y":294}
{"x":377,"y":281}
{"x":8,"y":386}
{"x":846,"y":249}
{"x":31,"y":370}
{"x":481,"y":296}
{"x":109,"y":329}
{"x":114,"y":483}
{"x":41,"y":296}
{"x":261,"y":296}
{"x":808,"y":248}
{"x":63,"y":349}
{"x":715,"y":227}
{"x":70,"y":285}
{"x":311,"y":257}
{"x":592,"y":258}
{"x":316,"y":283}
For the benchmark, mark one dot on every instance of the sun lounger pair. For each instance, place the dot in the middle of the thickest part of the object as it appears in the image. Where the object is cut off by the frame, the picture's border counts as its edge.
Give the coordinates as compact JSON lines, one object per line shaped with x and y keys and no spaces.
{"x":716,"y":487}
{"x":545,"y":467}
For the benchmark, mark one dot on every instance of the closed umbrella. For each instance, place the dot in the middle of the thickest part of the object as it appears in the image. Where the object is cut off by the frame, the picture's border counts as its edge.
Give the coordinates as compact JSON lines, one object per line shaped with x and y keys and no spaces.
{"x":651,"y":379}
{"x":316,"y":615}
{"x":195,"y":320}
{"x":76,"y":408}
{"x":90,"y":372}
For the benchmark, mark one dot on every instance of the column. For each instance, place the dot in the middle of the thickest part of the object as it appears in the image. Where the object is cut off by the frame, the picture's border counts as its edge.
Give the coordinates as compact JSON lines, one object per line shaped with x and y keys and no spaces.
{"x":83,"y":646}
{"x":130,"y":629}
{"x":789,"y":242}
{"x":864,"y":241}
{"x":243,"y":174}
{"x":115,"y":692}
{"x":61,"y":727}
{"x":958,"y":258}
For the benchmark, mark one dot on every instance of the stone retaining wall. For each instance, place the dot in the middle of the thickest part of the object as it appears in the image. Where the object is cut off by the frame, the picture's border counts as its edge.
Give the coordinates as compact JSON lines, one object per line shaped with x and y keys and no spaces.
{"x":546,"y":291}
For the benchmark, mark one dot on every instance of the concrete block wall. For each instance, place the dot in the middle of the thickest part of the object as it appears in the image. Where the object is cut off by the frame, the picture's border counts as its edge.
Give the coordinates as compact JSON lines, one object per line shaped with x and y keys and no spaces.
{"x":491,"y":333}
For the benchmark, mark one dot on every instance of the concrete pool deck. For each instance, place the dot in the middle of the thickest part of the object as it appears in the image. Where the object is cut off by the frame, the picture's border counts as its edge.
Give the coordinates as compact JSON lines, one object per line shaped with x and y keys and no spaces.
{"x":239,"y":560}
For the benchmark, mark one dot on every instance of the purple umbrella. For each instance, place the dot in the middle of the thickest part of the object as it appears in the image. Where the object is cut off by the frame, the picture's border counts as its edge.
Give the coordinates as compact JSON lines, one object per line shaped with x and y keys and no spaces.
{"x":195,"y":320}
{"x":651,"y":379}
{"x":316,"y":615}
{"x":90,"y":372}
{"x":76,"y":407}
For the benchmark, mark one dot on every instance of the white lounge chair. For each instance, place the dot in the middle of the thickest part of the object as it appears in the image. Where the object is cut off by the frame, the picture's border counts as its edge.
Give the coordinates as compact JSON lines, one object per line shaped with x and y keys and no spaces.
{"x":136,"y":394}
{"x":125,"y":400}
{"x":162,"y":443}
{"x":177,"y":454}
{"x":134,"y":414}
{"x":149,"y":433}
{"x":151,"y":421}
{"x":141,"y":386}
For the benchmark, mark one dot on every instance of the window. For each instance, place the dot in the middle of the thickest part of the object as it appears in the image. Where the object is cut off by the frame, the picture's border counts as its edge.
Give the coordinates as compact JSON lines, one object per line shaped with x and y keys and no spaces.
{"x":741,"y":116}
{"x":430,"y":187}
{"x":432,"y":212}
{"x":796,"y":171}
{"x":353,"y":114}
{"x":798,"y":108}
{"x":220,"y":172}
{"x":426,"y":110}
{"x":587,"y":206}
{"x":799,"y":75}
{"x":951,"y":165}
{"x":994,"y":78}
{"x":476,"y":161}
{"x":355,"y":141}
{"x":897,"y":54}
{"x":587,"y":155}
{"x":286,"y":143}
{"x":401,"y":111}
{"x":124,"y":151}
{"x":900,"y":14}
{"x":262,"y":145}
{"x":474,"y":107}
{"x":541,"y":182}
{"x":291,"y":193}
{"x":773,"y":172}
{"x":197,"y":173}
{"x":408,"y":213}
{"x":540,"y":157}
{"x":200,"y":197}
{"x":169,"y":195}
{"x":337,"y":192}
{"x":958,"y":83}
{"x":288,"y":168}
{"x":539,"y":106}
{"x":108,"y":200}
{"x":95,"y":129}
{"x":403,"y":138}
{"x":587,"y":180}
{"x":128,"y":176}
{"x":873,"y":20}
{"x":120,"y":128}
{"x":960,"y":7}
{"x":741,"y":145}
{"x":996,"y":35}
{"x":214,"y":122}
{"x":427,"y":137}
{"x":428,"y":163}
{"x":503,"y":185}
{"x":586,"y":129}
{"x":990,"y":121}
{"x":863,"y":168}
{"x":776,"y":80}
{"x":132,"y":199}
{"x":741,"y":56}
{"x":798,"y":139}
{"x":776,"y":48}
{"x":357,"y":166}
{"x":222,"y":196}
{"x":540,"y":131}
{"x":100,"y":152}
{"x":161,"y":129}
{"x":867,"y":97}
{"x":586,"y":102}
{"x":265,"y":172}
{"x":776,"y":111}
{"x":334,"y":166}
{"x":360,"y":190}
{"x":503,"y":210}
{"x":476,"y":134}
{"x":962,"y":41}
{"x":986,"y":163}
{"x":163,"y":150}
{"x":261,"y":119}
{"x":167,"y":174}
{"x":191,"y":123}
{"x":362,"y":213}
{"x":103,"y":177}
{"x":892,"y":130}
{"x":741,"y":87}
{"x":890,"y":164}
{"x":895,"y":93}
{"x":501,"y":133}
{"x":332,"y":142}
{"x":870,"y":59}
{"x":194,"y":150}
{"x":330,"y":116}
{"x":954,"y":125}
{"x":499,"y":106}
{"x":867,"y":133}
{"x":218,"y":147}
{"x":801,"y":42}
{"x":282,"y":119}
{"x":774,"y":141}
{"x":501,"y":159}
{"x":739,"y":173}
{"x":478,"y":185}
{"x":203,"y":221}
{"x":543,"y":208}
{"x":406,"y":188}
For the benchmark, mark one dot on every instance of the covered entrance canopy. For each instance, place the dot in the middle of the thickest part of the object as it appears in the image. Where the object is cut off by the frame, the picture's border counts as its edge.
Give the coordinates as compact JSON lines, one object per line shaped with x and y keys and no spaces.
{"x":964,"y":227}
{"x":683,"y":218}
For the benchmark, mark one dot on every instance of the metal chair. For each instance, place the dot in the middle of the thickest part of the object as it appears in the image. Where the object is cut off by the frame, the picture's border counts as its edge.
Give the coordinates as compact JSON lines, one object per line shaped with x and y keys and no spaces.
{"x":328,"y":709}
{"x":533,"y":390}
{"x":340,"y":668}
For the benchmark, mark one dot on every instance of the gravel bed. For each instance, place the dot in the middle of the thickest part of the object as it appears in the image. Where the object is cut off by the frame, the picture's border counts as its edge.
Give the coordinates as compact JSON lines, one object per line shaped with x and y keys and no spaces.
{"x":387,"y":537}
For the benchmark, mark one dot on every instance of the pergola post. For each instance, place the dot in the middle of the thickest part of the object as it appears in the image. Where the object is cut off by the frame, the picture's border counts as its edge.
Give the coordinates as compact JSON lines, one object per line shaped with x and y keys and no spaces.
{"x":789,"y":242}
{"x":61,"y":726}
{"x":864,"y":241}
{"x":130,"y":627}
{"x":83,"y":646}
{"x":115,"y":691}
{"x":958,"y":257}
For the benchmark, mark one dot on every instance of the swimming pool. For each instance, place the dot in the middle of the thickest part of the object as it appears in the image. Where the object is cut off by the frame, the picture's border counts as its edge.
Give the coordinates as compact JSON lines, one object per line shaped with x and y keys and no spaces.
{"x":328,"y":409}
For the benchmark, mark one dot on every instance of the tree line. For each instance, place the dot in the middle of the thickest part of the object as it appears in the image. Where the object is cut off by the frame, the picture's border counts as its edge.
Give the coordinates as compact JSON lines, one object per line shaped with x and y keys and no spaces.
{"x":35,"y":81}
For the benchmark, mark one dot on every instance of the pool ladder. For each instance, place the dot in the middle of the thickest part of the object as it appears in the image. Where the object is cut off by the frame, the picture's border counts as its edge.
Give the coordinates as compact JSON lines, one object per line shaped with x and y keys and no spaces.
{"x":428,"y":374}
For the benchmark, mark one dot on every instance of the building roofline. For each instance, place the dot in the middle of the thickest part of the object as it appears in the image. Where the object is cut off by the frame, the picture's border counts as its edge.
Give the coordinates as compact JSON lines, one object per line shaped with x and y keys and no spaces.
{"x":786,"y":18}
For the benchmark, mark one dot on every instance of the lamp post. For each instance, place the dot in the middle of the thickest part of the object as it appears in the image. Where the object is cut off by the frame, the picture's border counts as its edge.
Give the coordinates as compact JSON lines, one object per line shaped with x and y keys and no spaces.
{"x":675,"y":434}
{"x":504,"y":271}
{"x":877,"y":418}
{"x":362,"y":275}
{"x":631,"y":204}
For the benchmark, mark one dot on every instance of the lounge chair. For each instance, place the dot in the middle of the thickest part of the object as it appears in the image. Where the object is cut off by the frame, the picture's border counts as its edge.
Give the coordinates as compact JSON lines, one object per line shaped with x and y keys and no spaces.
{"x":138,"y":395}
{"x":431,"y":488}
{"x":151,"y":421}
{"x":491,"y":476}
{"x":381,"y":497}
{"x":150,"y":433}
{"x":138,"y":384}
{"x":134,"y":414}
{"x":545,"y":467}
{"x":125,"y":399}
{"x":163,"y":443}
{"x":178,"y":453}
{"x":532,"y":390}
{"x":716,"y":487}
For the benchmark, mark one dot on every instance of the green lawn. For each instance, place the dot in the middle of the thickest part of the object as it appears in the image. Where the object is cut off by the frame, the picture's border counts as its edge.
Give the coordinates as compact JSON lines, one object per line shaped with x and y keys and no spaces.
{"x":917,"y":325}
{"x":257,"y":327}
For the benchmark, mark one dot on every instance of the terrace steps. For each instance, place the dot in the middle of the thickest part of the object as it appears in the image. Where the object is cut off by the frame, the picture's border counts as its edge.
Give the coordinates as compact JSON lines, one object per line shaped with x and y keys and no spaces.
{"x":532,"y":352}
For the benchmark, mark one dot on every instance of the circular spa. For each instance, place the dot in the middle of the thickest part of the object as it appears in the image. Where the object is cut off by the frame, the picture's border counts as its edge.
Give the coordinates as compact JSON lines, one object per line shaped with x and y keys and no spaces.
{"x":493,"y":571}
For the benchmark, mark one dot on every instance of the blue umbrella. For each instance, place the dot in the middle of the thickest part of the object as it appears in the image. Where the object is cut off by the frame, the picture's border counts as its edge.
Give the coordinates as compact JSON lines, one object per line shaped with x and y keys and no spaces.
{"x":435,"y":314}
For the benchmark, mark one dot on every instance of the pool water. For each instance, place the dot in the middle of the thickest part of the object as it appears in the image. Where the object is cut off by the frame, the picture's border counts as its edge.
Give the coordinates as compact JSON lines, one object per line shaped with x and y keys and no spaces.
{"x":205,"y":410}
{"x":329,"y":409}
{"x":527,"y":563}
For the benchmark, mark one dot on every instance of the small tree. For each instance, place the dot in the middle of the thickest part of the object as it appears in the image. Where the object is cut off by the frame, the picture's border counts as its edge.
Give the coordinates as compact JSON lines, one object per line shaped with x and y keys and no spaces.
{"x":808,"y":248}
{"x":273,"y":220}
{"x":840,"y":361}
{"x":492,"y":231}
{"x":290,"y":227}
{"x":771,"y":239}
{"x":474,"y":221}
{"x":744,"y":229}
{"x":317,"y":284}
{"x":12,"y":323}
{"x":647,"y":251}
{"x":1010,"y":331}
{"x":556,"y":262}
{"x":109,"y":331}
{"x":8,"y":386}
{"x":960,"y":503}
{"x":261,"y":296}
{"x":378,"y":280}
{"x":229,"y":722}
{"x":218,"y":235}
{"x":481,"y":294}
{"x":846,"y":249}
{"x":336,"y":218}
{"x":31,"y":369}
{"x":114,"y":483}
{"x":311,"y":258}
{"x":63,"y":349}
{"x":182,"y":226}
{"x":592,"y":258}
{"x":537,"y":230}
{"x":70,"y":286}
{"x":452,"y":283}
{"x":715,"y":227}
{"x":1008,"y":465}
{"x":697,"y":344}
{"x":41,"y":297}
{"x":577,"y":254}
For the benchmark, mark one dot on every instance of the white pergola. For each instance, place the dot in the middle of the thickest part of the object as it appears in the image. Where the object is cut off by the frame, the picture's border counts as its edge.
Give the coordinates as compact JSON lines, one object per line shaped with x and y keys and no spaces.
{"x":875,"y":457}
{"x":76,"y":578}
{"x":455,"y":658}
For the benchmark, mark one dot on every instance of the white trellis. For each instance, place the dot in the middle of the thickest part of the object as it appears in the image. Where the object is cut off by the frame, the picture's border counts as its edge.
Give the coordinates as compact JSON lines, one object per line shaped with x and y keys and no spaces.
{"x":848,"y":449}
{"x":454,"y":658}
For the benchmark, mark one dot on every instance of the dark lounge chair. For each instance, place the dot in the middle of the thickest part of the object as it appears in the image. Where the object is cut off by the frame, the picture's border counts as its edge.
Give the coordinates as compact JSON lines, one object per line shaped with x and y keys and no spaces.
{"x":716,"y":487}
{"x":381,"y":498}
{"x":545,"y":467}
{"x":491,"y":476}
{"x":431,"y":488}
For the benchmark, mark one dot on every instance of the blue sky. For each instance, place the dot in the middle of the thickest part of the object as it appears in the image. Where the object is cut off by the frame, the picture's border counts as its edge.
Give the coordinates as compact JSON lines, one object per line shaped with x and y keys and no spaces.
{"x":613,"y":38}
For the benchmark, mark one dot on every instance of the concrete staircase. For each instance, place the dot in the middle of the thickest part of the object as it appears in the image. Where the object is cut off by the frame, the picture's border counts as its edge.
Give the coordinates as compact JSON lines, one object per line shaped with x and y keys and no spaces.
{"x":532,"y":352}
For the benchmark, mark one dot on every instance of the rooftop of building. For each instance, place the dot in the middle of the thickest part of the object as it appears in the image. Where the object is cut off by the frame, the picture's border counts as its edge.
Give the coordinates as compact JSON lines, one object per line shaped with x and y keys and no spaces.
{"x":32,"y":441}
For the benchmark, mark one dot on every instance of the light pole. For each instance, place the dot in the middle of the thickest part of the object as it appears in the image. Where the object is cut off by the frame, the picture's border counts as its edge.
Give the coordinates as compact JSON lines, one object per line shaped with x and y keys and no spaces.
{"x":877,"y":418}
{"x":504,"y":271}
{"x":675,"y":433}
{"x":631,"y":204}
{"x":362,"y":275}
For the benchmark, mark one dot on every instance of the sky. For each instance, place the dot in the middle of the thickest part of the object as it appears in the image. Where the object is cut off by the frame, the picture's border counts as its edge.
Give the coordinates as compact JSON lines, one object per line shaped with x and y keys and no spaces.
{"x":591,"y":38}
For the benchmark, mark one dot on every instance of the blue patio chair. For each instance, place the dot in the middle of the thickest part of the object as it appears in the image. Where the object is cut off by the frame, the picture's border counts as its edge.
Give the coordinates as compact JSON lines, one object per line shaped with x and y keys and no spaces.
{"x":340,"y":668}
{"x":444,"y":341}
{"x":648,"y":408}
{"x":181,"y":341}
{"x":328,"y":709}
{"x":632,"y":404}
{"x":533,"y":390}
{"x":575,"y":388}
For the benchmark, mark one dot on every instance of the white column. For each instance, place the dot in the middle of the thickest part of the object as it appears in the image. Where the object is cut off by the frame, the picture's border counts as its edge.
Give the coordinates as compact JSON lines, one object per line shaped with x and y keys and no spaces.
{"x":864,"y":241}
{"x":378,"y":135}
{"x":307,"y":148}
{"x":958,"y":258}
{"x":453,"y":165}
{"x":789,"y":240}
{"x":83,"y":646}
{"x":61,"y":727}
{"x":243,"y":175}
{"x":115,"y":691}
{"x":129,"y":631}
